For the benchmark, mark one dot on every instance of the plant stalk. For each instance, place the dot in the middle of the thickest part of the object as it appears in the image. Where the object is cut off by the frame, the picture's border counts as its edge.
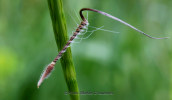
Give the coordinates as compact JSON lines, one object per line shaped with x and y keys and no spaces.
{"x":61,"y":37}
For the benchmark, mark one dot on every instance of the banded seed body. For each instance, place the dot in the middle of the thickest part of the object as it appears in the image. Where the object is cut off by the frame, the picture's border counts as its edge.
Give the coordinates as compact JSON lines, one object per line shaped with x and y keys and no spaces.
{"x":50,"y":67}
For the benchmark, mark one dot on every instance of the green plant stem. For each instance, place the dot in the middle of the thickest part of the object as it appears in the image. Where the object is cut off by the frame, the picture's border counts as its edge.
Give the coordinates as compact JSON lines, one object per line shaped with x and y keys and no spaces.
{"x":61,"y":37}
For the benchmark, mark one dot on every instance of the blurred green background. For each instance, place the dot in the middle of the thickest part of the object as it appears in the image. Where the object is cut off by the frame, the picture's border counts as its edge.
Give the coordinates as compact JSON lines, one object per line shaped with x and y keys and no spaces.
{"x":129,"y":64}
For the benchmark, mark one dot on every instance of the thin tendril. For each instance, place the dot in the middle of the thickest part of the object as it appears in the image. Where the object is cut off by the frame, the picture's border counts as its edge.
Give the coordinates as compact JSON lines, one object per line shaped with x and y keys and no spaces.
{"x":117,"y":19}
